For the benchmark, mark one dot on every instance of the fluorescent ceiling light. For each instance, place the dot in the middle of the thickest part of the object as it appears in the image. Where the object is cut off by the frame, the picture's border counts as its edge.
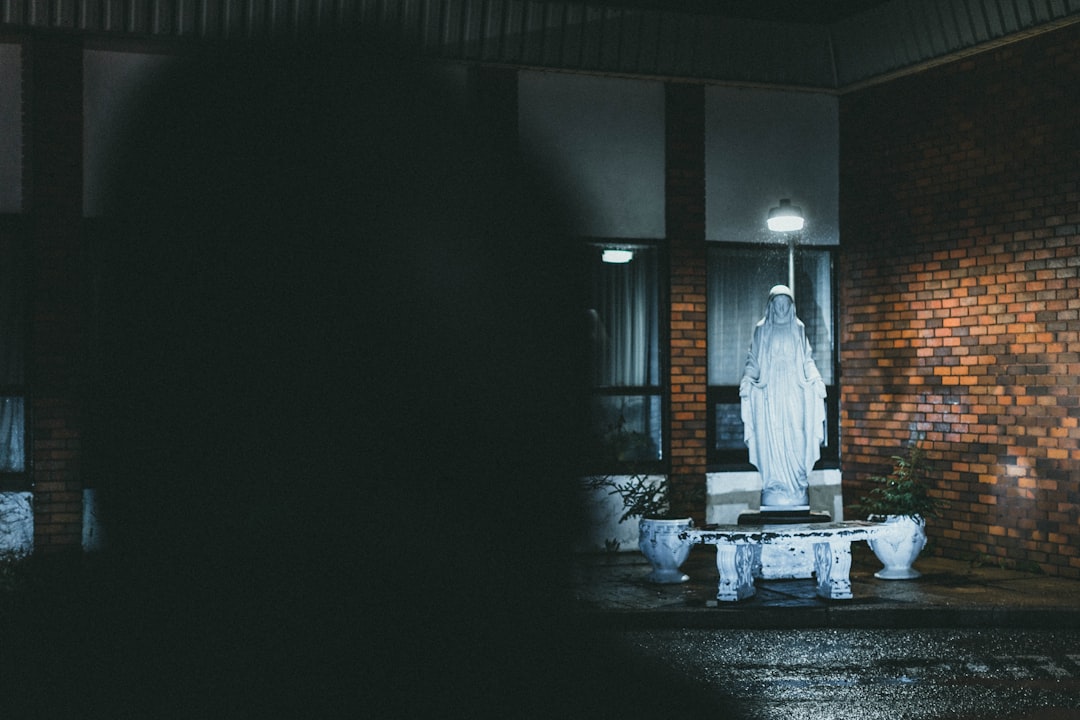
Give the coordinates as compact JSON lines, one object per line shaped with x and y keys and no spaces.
{"x":785,"y":218}
{"x":617,"y":256}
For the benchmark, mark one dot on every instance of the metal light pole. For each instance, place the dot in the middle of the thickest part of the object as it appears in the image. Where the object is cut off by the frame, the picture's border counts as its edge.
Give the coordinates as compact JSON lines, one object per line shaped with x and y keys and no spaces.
{"x":787,"y":218}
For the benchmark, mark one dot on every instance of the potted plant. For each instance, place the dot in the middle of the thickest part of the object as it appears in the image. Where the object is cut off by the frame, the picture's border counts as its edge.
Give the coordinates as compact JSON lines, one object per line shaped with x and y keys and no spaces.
{"x":648,"y":498}
{"x":900,"y":499}
{"x":646,"y":495}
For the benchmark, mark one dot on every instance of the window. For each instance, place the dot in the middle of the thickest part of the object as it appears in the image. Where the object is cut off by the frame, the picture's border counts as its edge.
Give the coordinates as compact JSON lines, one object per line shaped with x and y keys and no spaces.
{"x":624,"y":317}
{"x":740,"y":277}
{"x":13,"y":391}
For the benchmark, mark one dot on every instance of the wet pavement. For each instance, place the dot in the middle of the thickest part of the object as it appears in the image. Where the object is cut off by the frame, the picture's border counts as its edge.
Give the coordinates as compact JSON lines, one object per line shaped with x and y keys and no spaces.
{"x":611,"y":588}
{"x":872,"y":674}
{"x":967,"y":639}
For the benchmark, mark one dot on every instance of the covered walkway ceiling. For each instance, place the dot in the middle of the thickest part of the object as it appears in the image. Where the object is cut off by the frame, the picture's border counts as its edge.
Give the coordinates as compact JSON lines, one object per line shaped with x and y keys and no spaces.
{"x":823,"y":45}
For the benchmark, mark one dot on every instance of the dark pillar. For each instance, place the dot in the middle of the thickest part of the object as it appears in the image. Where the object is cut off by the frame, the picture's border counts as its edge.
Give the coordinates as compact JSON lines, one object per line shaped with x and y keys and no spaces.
{"x":685,"y":219}
{"x":52,"y":201}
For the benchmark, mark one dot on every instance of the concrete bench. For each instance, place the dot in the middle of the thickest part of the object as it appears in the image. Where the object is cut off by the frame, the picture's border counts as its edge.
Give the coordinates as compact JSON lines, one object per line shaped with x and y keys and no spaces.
{"x":738,"y":552}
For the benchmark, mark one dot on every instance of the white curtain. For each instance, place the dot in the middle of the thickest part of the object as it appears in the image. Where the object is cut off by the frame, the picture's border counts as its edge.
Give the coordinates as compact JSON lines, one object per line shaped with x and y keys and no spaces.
{"x":12,"y":457}
{"x":814,"y":305}
{"x":625,"y":316}
{"x":625,"y":322}
{"x":738,"y":290}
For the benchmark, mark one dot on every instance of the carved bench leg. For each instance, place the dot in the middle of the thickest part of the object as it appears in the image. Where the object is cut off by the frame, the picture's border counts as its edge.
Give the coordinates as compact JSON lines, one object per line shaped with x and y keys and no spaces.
{"x":735,"y":563}
{"x":832,"y":564}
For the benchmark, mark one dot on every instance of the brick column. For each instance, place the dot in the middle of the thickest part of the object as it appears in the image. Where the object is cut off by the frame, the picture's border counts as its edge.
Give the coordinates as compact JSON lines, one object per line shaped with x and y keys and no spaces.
{"x":52,"y":193}
{"x":685,"y":218}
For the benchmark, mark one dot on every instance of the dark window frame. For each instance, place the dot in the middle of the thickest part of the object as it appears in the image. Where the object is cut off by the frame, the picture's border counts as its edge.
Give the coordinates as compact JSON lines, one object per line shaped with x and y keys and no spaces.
{"x":733,"y":460}
{"x":591,"y":246}
{"x":15,"y":228}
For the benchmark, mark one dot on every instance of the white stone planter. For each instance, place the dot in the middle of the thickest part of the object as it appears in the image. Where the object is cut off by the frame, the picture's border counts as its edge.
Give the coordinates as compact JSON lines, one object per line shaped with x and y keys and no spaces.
{"x":659,"y":542}
{"x":898,"y":548}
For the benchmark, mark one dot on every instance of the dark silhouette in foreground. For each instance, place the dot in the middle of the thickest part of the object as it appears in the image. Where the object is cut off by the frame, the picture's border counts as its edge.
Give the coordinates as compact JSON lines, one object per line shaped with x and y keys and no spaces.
{"x":334,"y":400}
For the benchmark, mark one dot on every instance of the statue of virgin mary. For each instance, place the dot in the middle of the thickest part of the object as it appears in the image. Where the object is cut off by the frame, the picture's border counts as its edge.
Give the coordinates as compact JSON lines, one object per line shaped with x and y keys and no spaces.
{"x":783,"y":405}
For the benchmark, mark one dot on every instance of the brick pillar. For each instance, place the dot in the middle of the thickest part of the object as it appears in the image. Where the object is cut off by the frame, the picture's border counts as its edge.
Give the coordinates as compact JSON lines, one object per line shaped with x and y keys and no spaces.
{"x":685,"y":218}
{"x":52,"y":195}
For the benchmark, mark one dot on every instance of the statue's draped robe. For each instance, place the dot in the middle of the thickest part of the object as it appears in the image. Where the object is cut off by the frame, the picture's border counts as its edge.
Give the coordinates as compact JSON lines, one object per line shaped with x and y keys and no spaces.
{"x":783,"y":410}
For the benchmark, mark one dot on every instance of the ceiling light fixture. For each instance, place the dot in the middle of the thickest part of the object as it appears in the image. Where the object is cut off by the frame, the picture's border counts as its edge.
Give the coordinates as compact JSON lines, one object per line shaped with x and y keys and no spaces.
{"x":615,"y":255}
{"x":785,"y":218}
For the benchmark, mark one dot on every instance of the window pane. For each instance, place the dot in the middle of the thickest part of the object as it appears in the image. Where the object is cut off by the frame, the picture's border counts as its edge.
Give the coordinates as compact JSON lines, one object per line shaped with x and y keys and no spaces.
{"x":628,"y":427}
{"x":13,"y":294}
{"x":12,"y":311}
{"x":729,"y":426}
{"x":12,"y":454}
{"x":738,"y":290}
{"x":813,"y":305}
{"x":625,"y":321}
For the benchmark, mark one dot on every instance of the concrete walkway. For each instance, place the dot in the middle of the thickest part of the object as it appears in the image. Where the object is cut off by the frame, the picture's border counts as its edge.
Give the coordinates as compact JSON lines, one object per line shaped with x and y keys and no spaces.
{"x":950,"y":593}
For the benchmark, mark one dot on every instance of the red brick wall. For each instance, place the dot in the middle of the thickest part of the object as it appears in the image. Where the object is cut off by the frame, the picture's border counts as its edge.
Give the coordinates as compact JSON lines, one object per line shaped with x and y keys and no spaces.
{"x":52,"y":186}
{"x":685,"y":220}
{"x":960,"y":275}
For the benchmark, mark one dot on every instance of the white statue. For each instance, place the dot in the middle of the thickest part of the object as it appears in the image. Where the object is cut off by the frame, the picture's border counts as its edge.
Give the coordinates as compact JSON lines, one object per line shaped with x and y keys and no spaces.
{"x":783,"y":405}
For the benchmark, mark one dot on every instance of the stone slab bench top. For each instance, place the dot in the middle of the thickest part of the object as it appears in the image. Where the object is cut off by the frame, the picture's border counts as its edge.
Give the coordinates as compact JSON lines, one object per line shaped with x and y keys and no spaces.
{"x":783,"y":533}
{"x":739,"y":550}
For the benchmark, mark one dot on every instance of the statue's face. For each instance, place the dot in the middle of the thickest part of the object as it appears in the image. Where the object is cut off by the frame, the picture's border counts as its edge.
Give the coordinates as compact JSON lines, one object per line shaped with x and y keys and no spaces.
{"x":782,"y":306}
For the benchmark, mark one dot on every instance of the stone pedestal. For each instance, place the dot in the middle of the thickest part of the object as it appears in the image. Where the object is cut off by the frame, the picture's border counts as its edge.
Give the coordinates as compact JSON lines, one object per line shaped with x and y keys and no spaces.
{"x":782,"y":517}
{"x":783,"y":562}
